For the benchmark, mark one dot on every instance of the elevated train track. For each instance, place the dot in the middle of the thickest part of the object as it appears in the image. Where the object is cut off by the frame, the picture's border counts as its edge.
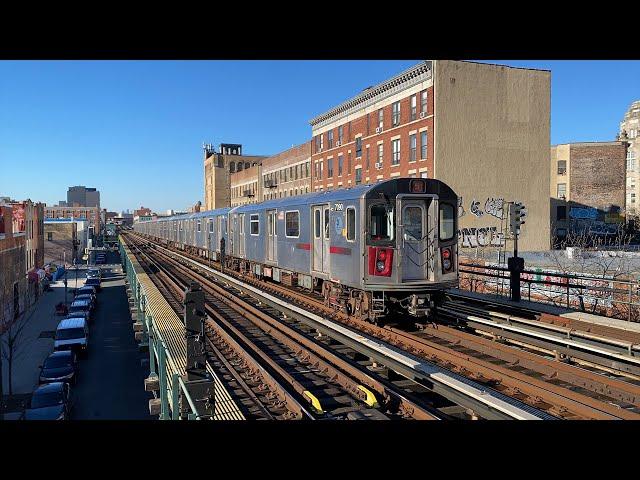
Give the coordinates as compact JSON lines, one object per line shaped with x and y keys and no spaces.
{"x":564,"y":391}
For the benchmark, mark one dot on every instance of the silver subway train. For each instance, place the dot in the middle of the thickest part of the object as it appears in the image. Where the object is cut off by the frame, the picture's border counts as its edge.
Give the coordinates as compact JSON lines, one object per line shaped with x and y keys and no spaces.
{"x":371,"y":250}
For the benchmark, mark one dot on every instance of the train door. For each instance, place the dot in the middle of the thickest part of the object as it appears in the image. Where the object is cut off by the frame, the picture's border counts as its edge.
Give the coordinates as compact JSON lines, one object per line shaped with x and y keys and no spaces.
{"x":320,"y":236}
{"x":242,"y":236}
{"x":272,"y":236}
{"x":234,"y":235}
{"x":414,"y":238}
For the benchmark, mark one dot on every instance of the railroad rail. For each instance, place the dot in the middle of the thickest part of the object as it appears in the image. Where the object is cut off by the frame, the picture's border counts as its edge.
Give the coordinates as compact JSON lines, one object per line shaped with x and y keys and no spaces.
{"x":615,"y":399}
{"x":333,"y":387}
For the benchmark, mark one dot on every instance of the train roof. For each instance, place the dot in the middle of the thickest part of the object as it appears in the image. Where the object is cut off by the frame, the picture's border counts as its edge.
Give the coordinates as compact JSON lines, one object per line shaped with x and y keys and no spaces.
{"x":340,"y":194}
{"x":307,"y":198}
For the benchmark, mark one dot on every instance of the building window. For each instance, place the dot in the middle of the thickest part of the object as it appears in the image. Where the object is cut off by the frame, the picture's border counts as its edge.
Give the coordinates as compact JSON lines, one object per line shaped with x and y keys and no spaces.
{"x":633,"y":198}
{"x":330,"y":139}
{"x":321,"y":169}
{"x":395,"y":116}
{"x":413,"y":146}
{"x":561,"y":212}
{"x":631,"y":160}
{"x":367,"y":161}
{"x":329,"y":167}
{"x":340,"y":163}
{"x":423,"y":102}
{"x":381,"y":118}
{"x":424,"y":174}
{"x":562,"y":190}
{"x":380,"y":153}
{"x":351,"y":224}
{"x":292,"y":224}
{"x":358,"y":147}
{"x":340,"y":132}
{"x":358,"y":176}
{"x":423,"y":145}
{"x":562,"y":167}
{"x":414,"y":107}
{"x":349,"y":163}
{"x":395,"y":147}
{"x":50,"y":236}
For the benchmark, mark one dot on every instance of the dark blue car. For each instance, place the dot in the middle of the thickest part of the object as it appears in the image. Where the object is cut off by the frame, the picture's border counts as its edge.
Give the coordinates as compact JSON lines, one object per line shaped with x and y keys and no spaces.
{"x":60,"y":366}
{"x":50,"y":402}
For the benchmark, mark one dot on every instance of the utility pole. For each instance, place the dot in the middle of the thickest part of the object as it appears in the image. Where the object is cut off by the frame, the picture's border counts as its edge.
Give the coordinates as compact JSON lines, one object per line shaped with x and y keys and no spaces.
{"x":517,"y":213}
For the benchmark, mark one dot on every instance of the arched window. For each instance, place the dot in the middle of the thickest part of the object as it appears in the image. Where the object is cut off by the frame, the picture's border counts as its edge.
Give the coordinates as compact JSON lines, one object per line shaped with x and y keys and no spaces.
{"x":232,"y":167}
{"x":239,"y":166}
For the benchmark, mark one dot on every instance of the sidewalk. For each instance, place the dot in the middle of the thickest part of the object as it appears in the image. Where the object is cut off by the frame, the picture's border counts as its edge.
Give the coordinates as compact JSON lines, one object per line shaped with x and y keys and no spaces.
{"x":36,"y":341}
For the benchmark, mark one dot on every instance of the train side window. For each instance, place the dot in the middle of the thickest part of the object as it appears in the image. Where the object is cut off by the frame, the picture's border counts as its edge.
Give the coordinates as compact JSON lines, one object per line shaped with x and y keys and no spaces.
{"x":255,"y":224}
{"x":316,"y":223}
{"x":211,"y":226}
{"x":382,"y":223}
{"x":292,"y":224}
{"x":326,"y":223}
{"x":447,"y":221}
{"x":351,"y":224}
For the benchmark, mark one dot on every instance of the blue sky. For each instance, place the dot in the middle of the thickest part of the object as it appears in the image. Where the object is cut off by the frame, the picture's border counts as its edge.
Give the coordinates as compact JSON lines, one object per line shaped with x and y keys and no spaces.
{"x":134,"y":129}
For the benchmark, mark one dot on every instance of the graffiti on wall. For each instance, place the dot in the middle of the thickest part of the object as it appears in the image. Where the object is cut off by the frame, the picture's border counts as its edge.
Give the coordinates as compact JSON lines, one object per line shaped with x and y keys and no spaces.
{"x":481,"y":237}
{"x":494,"y":207}
{"x":488,"y":236}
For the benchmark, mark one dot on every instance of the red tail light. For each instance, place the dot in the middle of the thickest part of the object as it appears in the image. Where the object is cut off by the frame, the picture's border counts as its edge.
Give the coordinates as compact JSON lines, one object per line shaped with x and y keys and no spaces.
{"x":447,"y":260}
{"x":380,"y":261}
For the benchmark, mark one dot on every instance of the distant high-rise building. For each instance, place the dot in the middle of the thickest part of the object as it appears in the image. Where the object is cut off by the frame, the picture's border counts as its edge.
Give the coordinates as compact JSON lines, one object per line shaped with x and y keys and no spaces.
{"x":630,"y":133}
{"x":83,"y":196}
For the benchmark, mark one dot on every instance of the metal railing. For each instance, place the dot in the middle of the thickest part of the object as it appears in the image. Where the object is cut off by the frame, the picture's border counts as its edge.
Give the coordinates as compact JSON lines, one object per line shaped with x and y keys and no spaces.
{"x":600,"y":295}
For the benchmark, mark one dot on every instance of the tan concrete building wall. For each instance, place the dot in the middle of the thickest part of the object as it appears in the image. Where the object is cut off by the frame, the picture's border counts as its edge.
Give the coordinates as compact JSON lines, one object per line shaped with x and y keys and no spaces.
{"x":217,"y":191}
{"x":630,"y":131}
{"x":59,"y":239}
{"x":492,"y":139}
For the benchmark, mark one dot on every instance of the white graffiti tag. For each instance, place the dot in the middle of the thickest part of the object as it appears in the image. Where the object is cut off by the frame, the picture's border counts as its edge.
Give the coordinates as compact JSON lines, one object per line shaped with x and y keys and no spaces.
{"x":475,"y":208}
{"x":481,"y":237}
{"x":461,"y":211}
{"x":494,"y":207}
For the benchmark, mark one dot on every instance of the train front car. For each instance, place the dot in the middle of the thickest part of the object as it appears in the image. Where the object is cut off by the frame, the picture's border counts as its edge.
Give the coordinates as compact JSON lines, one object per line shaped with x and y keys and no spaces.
{"x":411,"y":246}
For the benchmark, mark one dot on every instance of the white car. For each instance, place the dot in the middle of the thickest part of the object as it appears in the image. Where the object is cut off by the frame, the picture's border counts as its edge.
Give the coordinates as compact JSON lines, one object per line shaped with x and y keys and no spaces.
{"x":72,"y":334}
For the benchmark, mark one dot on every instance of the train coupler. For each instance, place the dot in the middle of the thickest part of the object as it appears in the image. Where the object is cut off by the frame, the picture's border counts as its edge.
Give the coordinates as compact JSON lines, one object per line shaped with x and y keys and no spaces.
{"x":420,"y":305}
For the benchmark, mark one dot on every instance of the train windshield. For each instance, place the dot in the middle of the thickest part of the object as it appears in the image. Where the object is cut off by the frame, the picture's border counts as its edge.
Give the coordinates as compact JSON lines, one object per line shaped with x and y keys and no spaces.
{"x":382,"y":224}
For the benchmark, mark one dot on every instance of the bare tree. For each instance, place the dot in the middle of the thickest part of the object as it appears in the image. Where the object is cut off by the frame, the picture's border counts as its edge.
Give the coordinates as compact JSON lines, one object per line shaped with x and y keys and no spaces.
{"x":12,"y":339}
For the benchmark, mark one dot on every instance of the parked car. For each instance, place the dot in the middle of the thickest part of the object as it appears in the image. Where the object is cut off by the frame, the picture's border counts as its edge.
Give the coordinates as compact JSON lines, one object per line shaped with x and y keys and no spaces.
{"x":89,"y":297}
{"x":81,"y":305}
{"x":60,"y":366}
{"x":93,"y":282}
{"x":51,"y":401}
{"x":72,"y":334}
{"x":94,"y":273}
{"x":87,"y":289}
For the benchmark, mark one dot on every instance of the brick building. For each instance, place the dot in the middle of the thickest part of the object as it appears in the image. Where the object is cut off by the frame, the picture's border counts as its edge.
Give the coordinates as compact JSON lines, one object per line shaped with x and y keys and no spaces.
{"x":246,"y":186}
{"x":28,"y":218}
{"x":13,"y":269}
{"x":587,"y":187}
{"x":483,"y":129}
{"x":217,"y":168}
{"x":287,"y":173}
{"x":92,"y":214}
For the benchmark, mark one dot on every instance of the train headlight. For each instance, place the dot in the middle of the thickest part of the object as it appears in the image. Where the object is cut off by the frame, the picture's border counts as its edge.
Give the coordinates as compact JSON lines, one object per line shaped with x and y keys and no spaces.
{"x":380,"y":266}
